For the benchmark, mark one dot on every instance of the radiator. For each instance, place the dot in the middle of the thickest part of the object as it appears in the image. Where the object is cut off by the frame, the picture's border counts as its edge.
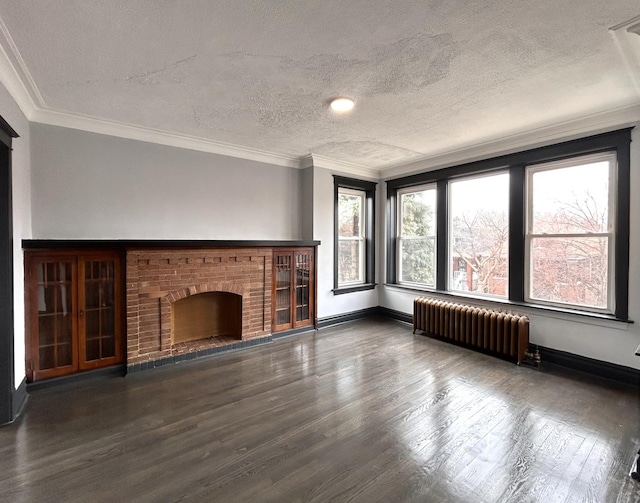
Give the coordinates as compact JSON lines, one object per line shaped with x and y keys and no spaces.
{"x":486,"y":330}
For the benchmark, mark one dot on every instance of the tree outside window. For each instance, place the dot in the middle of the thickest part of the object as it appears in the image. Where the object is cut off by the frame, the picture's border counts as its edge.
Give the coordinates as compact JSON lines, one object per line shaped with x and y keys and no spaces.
{"x":479,"y":235}
{"x":417,"y":236}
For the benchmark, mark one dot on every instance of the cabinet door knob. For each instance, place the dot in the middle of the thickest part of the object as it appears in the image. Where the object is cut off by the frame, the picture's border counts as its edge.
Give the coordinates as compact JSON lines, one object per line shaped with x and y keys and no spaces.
{"x":81,"y":313}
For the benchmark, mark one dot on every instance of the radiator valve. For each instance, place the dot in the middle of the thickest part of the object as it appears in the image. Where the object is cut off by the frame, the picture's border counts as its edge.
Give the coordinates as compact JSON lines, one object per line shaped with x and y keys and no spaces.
{"x":533,"y":358}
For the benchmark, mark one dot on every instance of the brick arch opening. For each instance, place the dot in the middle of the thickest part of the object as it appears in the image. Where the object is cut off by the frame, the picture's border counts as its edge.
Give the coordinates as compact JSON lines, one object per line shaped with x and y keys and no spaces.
{"x":206,"y":315}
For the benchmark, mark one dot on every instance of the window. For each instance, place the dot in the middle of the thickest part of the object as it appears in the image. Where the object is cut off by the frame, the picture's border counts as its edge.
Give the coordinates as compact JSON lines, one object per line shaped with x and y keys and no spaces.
{"x":479,"y":235}
{"x":417,"y":236}
{"x":354,"y":235}
{"x":547,"y":228}
{"x":570,"y":232}
{"x":351,"y":214}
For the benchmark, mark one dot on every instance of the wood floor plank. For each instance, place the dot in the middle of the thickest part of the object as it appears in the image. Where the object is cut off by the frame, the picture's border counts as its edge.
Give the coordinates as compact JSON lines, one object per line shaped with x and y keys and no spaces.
{"x":359,"y":413}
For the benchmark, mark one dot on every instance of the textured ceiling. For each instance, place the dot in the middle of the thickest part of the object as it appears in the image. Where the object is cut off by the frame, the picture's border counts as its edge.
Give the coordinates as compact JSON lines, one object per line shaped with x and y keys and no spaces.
{"x":427,"y":76}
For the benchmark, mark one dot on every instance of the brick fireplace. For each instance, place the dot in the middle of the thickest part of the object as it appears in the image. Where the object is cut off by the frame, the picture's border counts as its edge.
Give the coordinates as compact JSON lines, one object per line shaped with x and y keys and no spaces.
{"x":232,"y":285}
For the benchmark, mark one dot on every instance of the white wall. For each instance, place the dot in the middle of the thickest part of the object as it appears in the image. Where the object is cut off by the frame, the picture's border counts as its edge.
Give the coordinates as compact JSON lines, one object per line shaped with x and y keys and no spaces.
{"x":608,"y":341}
{"x":306,"y":195}
{"x":21,"y":195}
{"x":323,"y":218}
{"x":90,"y":186}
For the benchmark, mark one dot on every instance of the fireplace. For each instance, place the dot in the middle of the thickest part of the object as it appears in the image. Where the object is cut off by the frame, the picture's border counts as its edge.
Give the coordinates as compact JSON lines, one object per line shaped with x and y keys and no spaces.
{"x":205,"y":316}
{"x":190,"y":301}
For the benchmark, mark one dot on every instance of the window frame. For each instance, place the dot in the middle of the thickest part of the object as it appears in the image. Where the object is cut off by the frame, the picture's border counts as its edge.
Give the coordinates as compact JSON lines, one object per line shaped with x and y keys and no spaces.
{"x":399,"y":238}
{"x":530,"y":171}
{"x":617,"y":141}
{"x":367,"y":229}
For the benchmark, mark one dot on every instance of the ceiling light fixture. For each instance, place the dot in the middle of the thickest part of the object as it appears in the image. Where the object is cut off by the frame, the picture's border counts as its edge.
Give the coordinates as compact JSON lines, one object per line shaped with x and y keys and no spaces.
{"x":342,"y":105}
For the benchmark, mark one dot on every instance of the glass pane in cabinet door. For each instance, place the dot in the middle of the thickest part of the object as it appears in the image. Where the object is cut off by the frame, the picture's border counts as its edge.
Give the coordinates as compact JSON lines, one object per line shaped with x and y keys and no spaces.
{"x":283,"y":316}
{"x":107,"y":329}
{"x":47,"y":357}
{"x":64,"y":355}
{"x":283,"y":271}
{"x":283,"y":298}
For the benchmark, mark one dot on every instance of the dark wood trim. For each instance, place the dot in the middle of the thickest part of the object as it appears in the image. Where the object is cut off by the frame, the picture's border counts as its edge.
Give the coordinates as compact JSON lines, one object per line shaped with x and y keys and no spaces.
{"x":605,"y":370}
{"x":329,"y":321}
{"x":8,"y":406}
{"x":157,"y":243}
{"x":517,"y":218}
{"x":356,"y":288}
{"x":370,"y":238}
{"x":604,"y":142}
{"x":442,"y":234}
{"x":7,"y":132}
{"x":623,"y":205}
{"x":354,"y":183}
{"x":395,"y":315}
{"x":392,"y":236}
{"x":370,"y":229}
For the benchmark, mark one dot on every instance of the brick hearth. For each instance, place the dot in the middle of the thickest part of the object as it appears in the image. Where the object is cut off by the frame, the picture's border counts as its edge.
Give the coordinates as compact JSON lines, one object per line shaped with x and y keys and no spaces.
{"x":158,"y":278}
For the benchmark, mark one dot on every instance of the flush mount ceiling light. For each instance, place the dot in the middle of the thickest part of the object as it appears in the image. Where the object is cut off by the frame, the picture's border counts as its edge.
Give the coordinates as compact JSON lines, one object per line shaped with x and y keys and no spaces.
{"x":342,"y":105}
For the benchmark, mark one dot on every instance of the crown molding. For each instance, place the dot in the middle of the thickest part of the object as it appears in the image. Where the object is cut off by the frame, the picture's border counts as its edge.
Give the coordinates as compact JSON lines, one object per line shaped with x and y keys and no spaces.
{"x":130,"y":132}
{"x":563,"y":131}
{"x":320,"y":161}
{"x":15,"y":77}
{"x":626,"y":37}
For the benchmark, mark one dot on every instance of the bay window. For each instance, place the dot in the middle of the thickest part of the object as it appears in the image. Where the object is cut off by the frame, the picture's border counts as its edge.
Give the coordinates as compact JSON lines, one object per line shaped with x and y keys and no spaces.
{"x":546,"y":228}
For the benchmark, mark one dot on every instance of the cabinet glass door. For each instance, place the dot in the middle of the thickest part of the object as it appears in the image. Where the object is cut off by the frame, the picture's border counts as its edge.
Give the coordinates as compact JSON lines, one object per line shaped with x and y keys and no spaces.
{"x":282,"y":291}
{"x":98,"y":311}
{"x":54,"y":336}
{"x":303,"y":287}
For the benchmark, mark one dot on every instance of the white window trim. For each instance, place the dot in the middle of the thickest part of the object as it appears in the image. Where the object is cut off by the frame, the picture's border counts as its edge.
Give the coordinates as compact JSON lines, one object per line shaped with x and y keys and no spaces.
{"x":611,"y":234}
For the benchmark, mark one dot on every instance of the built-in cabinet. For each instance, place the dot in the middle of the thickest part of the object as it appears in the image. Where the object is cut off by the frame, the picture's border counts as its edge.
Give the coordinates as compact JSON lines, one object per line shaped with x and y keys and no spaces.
{"x":74,"y":312}
{"x":293,"y":292}
{"x":75,"y":303}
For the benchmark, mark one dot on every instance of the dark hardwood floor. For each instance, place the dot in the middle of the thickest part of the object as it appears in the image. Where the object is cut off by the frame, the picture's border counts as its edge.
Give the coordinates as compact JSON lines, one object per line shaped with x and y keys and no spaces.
{"x":362,"y":412}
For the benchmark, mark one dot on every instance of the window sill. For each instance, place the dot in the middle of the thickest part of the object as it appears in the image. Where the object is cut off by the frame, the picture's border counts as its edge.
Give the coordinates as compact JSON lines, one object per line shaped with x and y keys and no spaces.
{"x":542,"y":309}
{"x":355,"y":288}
